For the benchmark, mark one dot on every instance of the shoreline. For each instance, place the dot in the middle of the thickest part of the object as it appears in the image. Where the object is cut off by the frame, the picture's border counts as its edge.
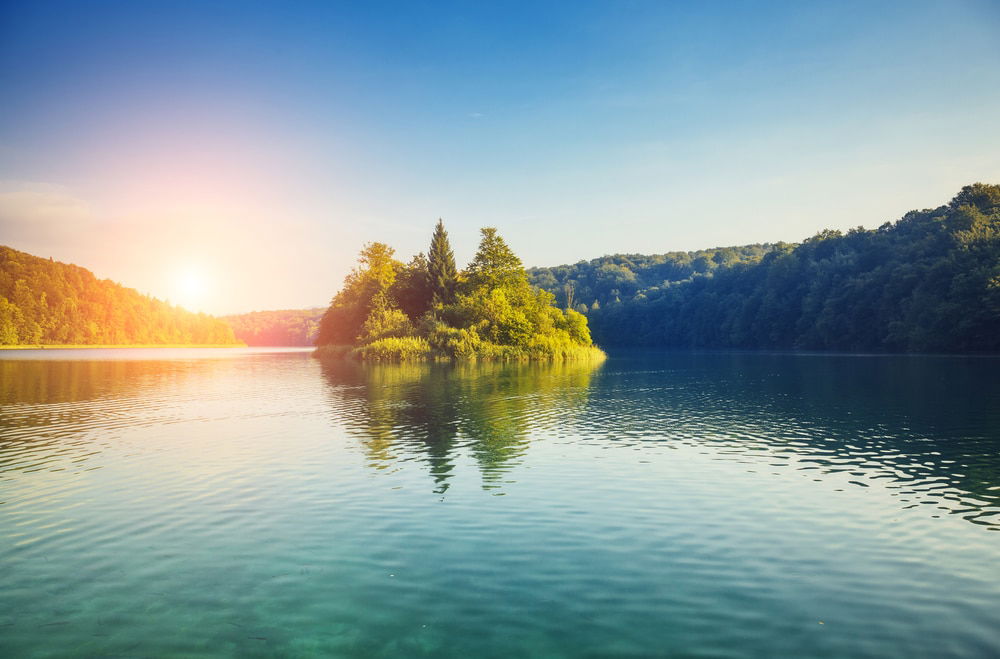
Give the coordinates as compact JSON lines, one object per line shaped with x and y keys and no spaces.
{"x":590,"y":353}
{"x":113,"y":346}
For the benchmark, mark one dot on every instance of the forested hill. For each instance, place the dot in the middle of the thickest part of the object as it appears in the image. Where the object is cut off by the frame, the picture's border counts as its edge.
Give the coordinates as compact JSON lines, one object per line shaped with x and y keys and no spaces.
{"x":618,"y":278}
{"x":929,"y":282}
{"x":46,"y":302}
{"x":289,"y":327}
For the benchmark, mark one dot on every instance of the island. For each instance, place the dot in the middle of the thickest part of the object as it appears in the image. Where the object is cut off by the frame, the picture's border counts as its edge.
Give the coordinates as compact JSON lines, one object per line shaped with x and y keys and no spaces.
{"x":429,"y":310}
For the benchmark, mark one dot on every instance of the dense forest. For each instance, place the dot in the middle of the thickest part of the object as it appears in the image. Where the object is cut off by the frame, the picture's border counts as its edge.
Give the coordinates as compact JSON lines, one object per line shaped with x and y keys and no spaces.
{"x":288,"y":327}
{"x":611,"y":279}
{"x":929,"y":282}
{"x":428,"y":309}
{"x":46,"y":302}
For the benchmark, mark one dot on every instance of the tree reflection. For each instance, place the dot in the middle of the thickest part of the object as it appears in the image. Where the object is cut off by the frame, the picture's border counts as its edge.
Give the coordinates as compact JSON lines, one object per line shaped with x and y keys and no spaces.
{"x":437,"y":412}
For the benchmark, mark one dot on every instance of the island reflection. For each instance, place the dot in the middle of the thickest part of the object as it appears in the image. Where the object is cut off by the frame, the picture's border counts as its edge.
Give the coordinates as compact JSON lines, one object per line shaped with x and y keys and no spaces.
{"x":432,"y":412}
{"x":923,"y":428}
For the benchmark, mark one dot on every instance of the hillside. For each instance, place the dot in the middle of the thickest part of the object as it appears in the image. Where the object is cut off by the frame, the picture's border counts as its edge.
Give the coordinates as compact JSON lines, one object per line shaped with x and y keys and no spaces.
{"x":620,"y":277}
{"x":287,"y":327}
{"x":929,"y":282}
{"x":47,"y":302}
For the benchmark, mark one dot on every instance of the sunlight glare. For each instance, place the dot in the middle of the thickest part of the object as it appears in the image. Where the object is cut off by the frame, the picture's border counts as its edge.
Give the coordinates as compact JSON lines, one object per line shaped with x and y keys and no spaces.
{"x":190,"y":287}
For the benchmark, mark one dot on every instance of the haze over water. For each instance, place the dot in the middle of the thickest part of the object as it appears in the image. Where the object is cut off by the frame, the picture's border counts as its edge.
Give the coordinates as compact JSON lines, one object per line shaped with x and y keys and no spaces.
{"x":250,"y":502}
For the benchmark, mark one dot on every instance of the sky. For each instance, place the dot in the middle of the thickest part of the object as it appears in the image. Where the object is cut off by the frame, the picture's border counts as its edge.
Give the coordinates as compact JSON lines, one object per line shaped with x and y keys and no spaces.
{"x":235,"y":156}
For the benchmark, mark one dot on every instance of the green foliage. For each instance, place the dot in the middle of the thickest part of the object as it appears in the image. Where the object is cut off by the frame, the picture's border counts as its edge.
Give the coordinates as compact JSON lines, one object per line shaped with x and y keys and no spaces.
{"x":46,"y":302}
{"x":385,"y":322}
{"x":574,"y":323}
{"x":395,"y":349}
{"x":619,"y":278}
{"x":11,"y":322}
{"x":496,"y":315}
{"x":495,"y":264}
{"x":412,"y":290}
{"x":442,"y":275}
{"x":365,"y":289}
{"x":928,"y":283}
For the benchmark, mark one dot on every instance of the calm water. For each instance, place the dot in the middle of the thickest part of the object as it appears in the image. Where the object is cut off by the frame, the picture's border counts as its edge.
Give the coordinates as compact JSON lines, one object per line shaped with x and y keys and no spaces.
{"x":239,"y":502}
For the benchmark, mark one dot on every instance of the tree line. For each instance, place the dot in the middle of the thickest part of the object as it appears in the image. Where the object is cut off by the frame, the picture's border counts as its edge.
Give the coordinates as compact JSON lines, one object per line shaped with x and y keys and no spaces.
{"x":429,"y":309}
{"x":287,"y":327}
{"x":929,"y":282}
{"x":608,"y":280}
{"x":47,"y":302}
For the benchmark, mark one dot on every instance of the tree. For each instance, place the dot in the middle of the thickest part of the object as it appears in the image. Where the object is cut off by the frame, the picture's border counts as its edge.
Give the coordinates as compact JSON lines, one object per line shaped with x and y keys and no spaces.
{"x":365,"y":291}
{"x":568,"y":290}
{"x":10,"y":320}
{"x":441,"y":271}
{"x":495,"y":264}
{"x":412,"y":290}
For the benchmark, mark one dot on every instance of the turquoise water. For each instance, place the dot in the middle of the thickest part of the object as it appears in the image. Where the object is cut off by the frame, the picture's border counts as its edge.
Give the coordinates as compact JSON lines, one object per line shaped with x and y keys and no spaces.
{"x":263,"y":503}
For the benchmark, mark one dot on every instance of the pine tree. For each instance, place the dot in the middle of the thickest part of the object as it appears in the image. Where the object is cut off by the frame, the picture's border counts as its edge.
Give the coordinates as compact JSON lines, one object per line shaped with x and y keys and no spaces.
{"x":495,"y":264}
{"x":441,"y":267}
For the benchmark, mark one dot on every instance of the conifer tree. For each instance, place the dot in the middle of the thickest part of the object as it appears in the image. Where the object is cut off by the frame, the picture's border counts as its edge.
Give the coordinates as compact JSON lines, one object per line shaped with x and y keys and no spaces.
{"x":441,"y":267}
{"x":495,"y":264}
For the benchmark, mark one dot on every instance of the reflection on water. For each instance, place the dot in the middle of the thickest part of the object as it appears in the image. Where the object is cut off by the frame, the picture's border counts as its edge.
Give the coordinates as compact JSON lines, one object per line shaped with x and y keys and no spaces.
{"x":256,"y":503}
{"x":61,"y":408}
{"x":431,"y":412}
{"x":926,"y":427}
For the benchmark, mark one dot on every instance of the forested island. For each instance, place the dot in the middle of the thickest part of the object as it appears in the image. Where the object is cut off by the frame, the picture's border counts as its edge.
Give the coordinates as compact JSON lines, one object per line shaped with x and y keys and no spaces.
{"x":287,"y":327}
{"x":428,"y":309}
{"x":929,"y":282}
{"x":45,"y":302}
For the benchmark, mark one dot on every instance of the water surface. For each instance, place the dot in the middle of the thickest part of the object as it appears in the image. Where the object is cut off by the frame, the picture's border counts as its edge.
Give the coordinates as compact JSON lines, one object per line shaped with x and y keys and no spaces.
{"x":253,"y":502}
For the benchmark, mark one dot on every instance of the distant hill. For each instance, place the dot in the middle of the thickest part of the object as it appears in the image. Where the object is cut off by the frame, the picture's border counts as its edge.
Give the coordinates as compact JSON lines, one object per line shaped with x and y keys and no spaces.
{"x":289,"y":327}
{"x":47,"y":302}
{"x":621,"y":277}
{"x":929,"y":282}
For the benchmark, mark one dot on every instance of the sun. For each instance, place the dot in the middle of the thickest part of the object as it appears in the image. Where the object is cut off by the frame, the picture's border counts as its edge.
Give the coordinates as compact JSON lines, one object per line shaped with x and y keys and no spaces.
{"x":190,"y":287}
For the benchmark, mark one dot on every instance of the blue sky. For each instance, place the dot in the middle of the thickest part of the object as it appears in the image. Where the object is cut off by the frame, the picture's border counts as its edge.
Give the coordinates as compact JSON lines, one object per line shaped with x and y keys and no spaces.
{"x":260,"y":144}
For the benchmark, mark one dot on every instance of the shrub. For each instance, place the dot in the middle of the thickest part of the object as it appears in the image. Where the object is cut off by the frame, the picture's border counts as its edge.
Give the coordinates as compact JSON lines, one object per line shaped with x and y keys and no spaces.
{"x":395,"y":349}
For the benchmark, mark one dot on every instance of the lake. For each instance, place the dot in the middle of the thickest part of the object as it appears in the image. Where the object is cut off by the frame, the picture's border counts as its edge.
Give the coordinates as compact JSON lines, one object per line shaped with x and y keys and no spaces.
{"x":246,"y":502}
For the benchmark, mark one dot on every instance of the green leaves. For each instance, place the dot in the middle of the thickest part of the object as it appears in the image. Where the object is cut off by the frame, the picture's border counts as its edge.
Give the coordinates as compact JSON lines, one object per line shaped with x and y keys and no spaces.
{"x":495,"y":264}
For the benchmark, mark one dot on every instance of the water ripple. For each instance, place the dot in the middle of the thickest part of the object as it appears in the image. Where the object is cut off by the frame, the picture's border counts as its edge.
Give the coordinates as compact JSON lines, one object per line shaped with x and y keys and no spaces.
{"x":713,"y":504}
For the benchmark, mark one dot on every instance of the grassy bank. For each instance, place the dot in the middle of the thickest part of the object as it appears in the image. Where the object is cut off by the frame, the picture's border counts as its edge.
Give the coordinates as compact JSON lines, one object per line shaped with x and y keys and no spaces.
{"x":418,"y":350}
{"x":105,"y":346}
